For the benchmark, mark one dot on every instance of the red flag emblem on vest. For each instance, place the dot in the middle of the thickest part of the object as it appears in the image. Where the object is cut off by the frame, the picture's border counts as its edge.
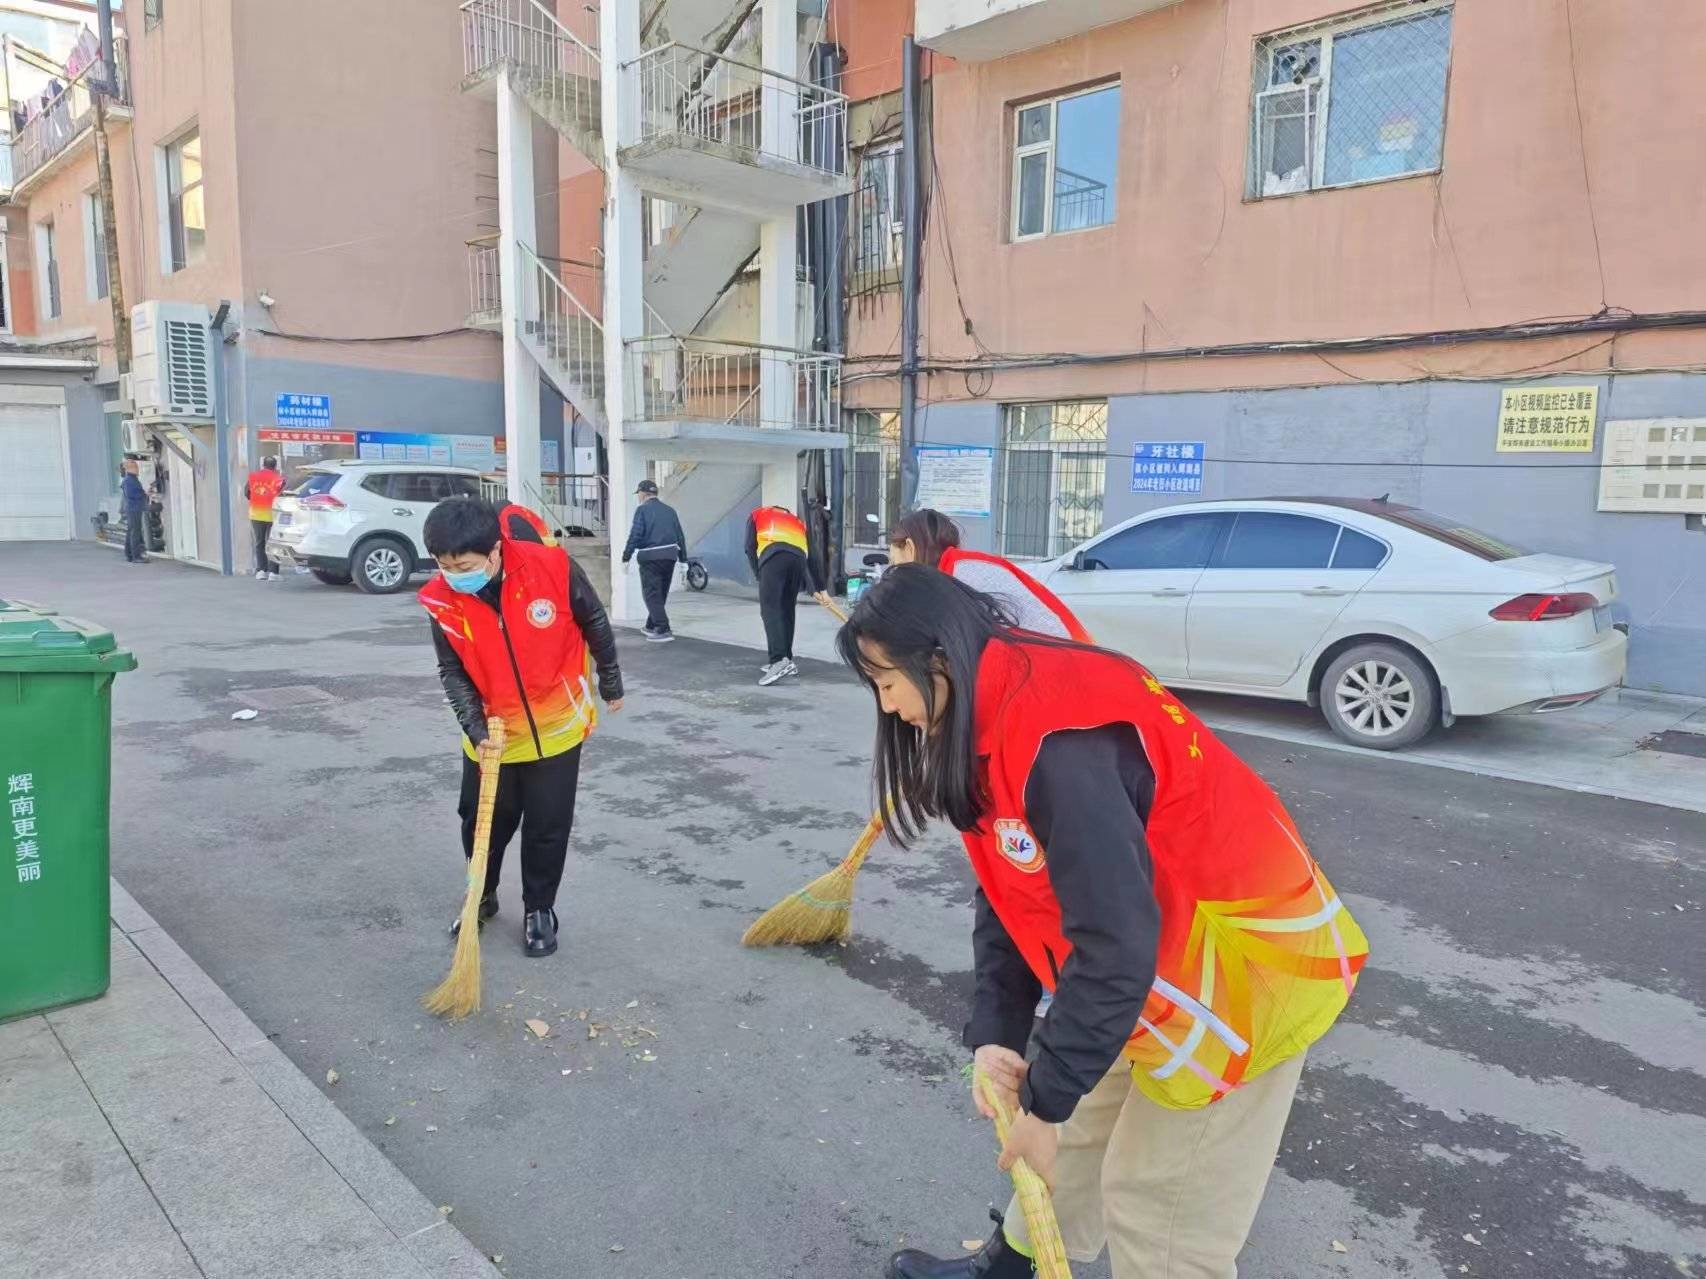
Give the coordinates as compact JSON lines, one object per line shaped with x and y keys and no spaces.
{"x":1018,"y":845}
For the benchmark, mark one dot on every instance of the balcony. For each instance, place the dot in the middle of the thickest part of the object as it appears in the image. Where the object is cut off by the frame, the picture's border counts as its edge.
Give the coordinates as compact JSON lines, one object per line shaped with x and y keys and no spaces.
{"x":61,"y":126}
{"x":485,"y":284}
{"x":715,"y":131}
{"x":555,"y":70}
{"x":703,"y":390}
{"x":982,"y":30}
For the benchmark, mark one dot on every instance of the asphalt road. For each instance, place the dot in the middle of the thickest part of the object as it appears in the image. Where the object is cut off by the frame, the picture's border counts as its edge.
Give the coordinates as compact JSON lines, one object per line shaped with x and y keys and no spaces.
{"x":1518,"y":1089}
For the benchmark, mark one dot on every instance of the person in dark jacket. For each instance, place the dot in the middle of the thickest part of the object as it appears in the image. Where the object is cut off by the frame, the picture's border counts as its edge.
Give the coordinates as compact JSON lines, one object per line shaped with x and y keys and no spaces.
{"x":658,"y":541}
{"x":783,"y":554}
{"x":518,"y":630}
{"x":133,"y":501}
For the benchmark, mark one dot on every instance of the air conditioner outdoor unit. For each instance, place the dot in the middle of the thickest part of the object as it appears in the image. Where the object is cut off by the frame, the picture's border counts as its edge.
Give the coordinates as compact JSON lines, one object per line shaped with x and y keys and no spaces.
{"x":171,"y":378}
{"x":135,"y":438}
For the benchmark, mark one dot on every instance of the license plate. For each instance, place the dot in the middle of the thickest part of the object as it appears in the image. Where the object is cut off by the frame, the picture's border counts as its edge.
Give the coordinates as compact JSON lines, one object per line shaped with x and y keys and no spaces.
{"x":283,"y":518}
{"x":1602,"y":618}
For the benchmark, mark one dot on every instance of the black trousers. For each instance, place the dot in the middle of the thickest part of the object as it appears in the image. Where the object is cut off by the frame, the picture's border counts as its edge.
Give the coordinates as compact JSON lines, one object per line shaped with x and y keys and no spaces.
{"x":656,"y":576}
{"x":133,"y":540}
{"x":780,"y":580}
{"x":261,"y":529}
{"x":539,"y":797}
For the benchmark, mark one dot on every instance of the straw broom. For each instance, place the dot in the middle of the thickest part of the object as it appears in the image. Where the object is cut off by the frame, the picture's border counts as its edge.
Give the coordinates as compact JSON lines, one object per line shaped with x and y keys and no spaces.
{"x":459,"y":993}
{"x":1048,"y":1250}
{"x":823,"y":909}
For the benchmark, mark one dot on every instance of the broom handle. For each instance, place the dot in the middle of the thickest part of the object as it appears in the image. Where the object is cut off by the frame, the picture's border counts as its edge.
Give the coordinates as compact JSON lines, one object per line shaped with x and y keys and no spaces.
{"x":835,"y":610}
{"x":491,"y":753}
{"x":867,"y":838}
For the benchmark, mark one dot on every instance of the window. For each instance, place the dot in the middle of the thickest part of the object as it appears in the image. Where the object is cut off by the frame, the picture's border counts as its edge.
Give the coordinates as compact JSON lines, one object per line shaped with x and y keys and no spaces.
{"x":95,"y":246}
{"x":47,"y":253}
{"x":875,"y":467}
{"x":186,"y":210}
{"x":1443,"y":529}
{"x":151,"y":13}
{"x":1356,"y":102}
{"x":422,"y":486}
{"x":877,"y":227}
{"x":1178,"y":541}
{"x":1065,"y":162}
{"x":1358,"y":550}
{"x":1269,"y":539}
{"x":1053,"y":473}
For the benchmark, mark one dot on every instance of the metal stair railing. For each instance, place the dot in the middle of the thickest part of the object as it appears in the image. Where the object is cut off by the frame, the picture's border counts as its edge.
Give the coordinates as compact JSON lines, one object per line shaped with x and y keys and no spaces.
{"x":560,"y":68}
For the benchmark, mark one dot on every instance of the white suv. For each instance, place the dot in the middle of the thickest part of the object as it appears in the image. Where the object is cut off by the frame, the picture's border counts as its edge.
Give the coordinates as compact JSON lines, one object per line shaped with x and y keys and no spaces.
{"x":361,"y":521}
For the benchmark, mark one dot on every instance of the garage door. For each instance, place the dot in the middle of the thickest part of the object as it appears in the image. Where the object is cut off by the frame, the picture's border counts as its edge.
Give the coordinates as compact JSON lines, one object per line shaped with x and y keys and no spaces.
{"x":35,"y":491}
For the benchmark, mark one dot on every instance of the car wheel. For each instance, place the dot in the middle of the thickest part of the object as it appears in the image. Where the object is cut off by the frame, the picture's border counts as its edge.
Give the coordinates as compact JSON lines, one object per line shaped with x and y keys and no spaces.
{"x":697,"y":578}
{"x":331,"y":577}
{"x":383,"y":566}
{"x":1380,"y":696}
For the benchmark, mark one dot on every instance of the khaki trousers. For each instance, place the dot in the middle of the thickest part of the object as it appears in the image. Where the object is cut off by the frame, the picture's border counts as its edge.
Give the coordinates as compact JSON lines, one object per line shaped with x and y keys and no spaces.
{"x":1172,"y":1193}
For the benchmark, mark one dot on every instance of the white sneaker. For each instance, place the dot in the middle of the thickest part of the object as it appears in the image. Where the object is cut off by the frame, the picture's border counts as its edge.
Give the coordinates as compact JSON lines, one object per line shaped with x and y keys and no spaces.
{"x":793,"y":667}
{"x":772,"y":673}
{"x":260,"y":577}
{"x":272,"y":577}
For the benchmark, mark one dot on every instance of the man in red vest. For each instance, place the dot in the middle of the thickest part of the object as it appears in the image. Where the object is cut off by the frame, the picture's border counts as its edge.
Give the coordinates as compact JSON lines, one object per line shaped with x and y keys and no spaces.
{"x":519,"y":631}
{"x":783,"y":556}
{"x":263,"y":486}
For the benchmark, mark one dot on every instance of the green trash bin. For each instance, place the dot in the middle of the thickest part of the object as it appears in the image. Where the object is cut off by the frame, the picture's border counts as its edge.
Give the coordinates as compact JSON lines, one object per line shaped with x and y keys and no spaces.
{"x":56,"y":679}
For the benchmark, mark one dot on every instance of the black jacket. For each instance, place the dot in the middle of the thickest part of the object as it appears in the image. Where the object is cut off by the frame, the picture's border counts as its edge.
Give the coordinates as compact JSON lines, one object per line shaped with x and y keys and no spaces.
{"x":656,"y":535}
{"x":588,"y":612}
{"x":1087,"y":799}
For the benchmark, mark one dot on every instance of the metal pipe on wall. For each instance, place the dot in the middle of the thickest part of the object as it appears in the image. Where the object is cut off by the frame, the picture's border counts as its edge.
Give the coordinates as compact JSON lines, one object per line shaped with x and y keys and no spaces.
{"x":911,"y":243}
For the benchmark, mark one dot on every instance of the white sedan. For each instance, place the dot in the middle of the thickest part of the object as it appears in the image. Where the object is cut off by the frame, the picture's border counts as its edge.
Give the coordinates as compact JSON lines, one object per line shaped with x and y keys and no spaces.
{"x":1390,"y":619}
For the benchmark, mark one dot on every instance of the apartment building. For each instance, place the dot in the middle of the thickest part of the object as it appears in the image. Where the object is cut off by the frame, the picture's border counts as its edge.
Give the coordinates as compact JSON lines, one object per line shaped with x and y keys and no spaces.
{"x":284,"y":162}
{"x":1437,"y":249}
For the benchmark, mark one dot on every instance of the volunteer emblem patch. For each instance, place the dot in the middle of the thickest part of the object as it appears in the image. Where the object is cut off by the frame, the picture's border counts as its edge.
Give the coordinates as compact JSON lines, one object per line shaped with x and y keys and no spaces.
{"x":541,"y":613}
{"x":1018,"y":845}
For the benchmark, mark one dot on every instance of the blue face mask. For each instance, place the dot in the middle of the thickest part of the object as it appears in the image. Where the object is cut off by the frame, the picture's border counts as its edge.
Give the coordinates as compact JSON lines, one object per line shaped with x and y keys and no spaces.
{"x":471,"y":582}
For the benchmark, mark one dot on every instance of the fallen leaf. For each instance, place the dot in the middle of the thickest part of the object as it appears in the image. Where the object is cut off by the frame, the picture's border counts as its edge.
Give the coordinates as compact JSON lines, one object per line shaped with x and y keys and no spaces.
{"x":539,"y":1028}
{"x":568,"y":1072}
{"x":582,"y":1013}
{"x":632,"y":1003}
{"x":432,"y":1127}
{"x":497,"y":1258}
{"x":332,"y":1076}
{"x":244,"y":714}
{"x":438,"y":1090}
{"x":616,"y":1247}
{"x":1339,"y":1247}
{"x":391,"y":1121}
{"x":971,"y":1245}
{"x":592,"y":1032}
{"x":446,"y":1209}
{"x":648,"y":1056}
{"x":1472,"y":1239}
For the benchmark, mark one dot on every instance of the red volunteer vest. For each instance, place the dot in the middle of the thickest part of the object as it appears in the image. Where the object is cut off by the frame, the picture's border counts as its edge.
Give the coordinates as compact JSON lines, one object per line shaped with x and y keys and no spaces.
{"x":544,"y":695}
{"x":534,"y":521}
{"x":1048,"y":599}
{"x":1257,"y":956}
{"x":264,"y":486}
{"x":776,"y":524}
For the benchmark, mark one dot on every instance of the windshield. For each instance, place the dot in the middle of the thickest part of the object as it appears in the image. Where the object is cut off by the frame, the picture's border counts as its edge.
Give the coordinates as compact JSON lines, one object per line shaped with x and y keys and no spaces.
{"x":315,"y":482}
{"x":1452,"y":532}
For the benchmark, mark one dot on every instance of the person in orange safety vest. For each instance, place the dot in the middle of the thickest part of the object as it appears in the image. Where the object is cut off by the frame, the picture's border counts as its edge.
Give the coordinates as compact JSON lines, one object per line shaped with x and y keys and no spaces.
{"x":783,"y":556}
{"x":262,"y":488}
{"x":1127,"y":860}
{"x":519,"y":631}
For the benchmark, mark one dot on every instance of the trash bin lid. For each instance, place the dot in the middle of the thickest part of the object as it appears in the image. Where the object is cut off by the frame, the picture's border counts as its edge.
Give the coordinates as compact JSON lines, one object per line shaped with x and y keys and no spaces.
{"x":37,"y":640}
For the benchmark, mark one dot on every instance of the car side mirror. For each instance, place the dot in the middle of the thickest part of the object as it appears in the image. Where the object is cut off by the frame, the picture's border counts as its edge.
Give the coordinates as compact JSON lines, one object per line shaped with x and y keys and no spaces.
{"x":1080,"y":563}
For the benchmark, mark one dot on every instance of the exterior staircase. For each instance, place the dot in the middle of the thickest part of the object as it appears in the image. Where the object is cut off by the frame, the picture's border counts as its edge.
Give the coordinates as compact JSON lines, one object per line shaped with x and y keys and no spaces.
{"x":553,"y":69}
{"x":564,"y":336}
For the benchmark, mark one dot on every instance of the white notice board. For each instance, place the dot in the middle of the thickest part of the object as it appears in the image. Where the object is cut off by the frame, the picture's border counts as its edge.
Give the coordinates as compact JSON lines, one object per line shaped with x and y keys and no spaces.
{"x":956,"y":479}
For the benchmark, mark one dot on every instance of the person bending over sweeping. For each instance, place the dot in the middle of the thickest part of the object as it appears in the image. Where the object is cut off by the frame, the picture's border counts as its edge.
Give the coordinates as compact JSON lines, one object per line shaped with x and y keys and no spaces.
{"x":518,"y":629}
{"x":783,"y":555}
{"x":930,"y":538}
{"x":1129,"y":861}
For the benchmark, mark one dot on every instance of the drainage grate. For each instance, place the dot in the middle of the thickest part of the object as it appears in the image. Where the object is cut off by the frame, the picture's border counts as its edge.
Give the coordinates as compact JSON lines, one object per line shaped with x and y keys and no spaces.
{"x":1675,"y":743}
{"x":283,"y":697}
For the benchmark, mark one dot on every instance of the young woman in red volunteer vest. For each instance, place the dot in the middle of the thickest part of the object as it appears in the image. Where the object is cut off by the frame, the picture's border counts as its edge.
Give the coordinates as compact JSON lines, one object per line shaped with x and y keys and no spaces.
{"x":518,"y":630}
{"x":1130,"y":862}
{"x":930,"y":538}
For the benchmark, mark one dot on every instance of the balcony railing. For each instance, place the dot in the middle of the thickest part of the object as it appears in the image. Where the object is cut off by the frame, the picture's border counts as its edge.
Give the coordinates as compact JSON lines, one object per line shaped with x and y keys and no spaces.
{"x":64,"y":119}
{"x":527,"y":36}
{"x":485,"y":279}
{"x":695,"y":95}
{"x":705,"y":380}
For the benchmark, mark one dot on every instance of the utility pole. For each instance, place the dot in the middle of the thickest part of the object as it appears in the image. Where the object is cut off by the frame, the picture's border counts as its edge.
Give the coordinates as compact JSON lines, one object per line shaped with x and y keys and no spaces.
{"x":912,"y":234}
{"x":104,"y":178}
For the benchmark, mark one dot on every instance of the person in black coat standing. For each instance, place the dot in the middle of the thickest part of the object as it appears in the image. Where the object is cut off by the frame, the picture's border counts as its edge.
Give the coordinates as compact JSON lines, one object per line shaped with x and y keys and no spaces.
{"x":658,"y":540}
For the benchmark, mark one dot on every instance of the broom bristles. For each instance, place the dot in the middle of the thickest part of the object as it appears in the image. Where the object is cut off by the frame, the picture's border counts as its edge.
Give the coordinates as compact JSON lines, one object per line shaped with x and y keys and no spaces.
{"x":1048,"y":1249}
{"x":459,"y":993}
{"x":822,"y":911}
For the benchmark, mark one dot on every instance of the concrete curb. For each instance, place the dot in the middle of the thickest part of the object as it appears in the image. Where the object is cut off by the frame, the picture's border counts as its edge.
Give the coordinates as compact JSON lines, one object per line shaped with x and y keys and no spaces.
{"x":438,"y":1247}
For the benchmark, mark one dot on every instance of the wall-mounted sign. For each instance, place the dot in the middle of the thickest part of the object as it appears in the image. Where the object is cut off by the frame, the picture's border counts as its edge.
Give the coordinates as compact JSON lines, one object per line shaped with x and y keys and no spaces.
{"x":304,"y":411}
{"x":1548,"y":419}
{"x":1167,"y":466}
{"x":1654,"y":464}
{"x":956,"y":480}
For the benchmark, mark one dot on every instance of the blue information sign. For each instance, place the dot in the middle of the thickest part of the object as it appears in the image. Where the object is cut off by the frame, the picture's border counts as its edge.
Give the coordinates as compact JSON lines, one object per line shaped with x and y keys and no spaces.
{"x":312,"y":412}
{"x":1173,"y":466}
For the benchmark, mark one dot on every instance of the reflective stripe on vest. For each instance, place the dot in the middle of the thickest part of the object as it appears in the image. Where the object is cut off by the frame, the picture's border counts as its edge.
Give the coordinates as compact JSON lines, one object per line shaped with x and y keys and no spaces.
{"x":1256,"y":955}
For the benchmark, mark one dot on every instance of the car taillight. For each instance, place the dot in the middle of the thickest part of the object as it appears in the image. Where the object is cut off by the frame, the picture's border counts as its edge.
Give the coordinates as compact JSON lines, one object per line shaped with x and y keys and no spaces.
{"x":1543,"y":608}
{"x":321,"y":502}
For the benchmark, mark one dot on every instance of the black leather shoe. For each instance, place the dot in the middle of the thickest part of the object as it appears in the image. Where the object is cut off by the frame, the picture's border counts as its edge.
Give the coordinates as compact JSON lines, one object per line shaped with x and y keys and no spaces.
{"x":541,"y":933}
{"x":995,"y":1260}
{"x":488,"y":908}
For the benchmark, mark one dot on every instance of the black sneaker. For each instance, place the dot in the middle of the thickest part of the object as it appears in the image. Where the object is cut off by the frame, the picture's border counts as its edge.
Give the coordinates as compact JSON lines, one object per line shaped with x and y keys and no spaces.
{"x":488,"y":908}
{"x":660,"y":637}
{"x":995,"y":1260}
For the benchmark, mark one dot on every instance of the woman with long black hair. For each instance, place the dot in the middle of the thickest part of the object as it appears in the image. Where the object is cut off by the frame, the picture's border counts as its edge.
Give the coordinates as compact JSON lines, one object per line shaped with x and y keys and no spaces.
{"x":1130,"y":862}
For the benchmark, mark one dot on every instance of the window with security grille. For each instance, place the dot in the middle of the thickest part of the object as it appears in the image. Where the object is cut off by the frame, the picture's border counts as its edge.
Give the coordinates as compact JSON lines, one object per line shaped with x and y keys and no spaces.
{"x":1054,"y":463}
{"x":874,"y":467}
{"x":877,"y":227}
{"x":1359,"y":101}
{"x":1065,"y":163}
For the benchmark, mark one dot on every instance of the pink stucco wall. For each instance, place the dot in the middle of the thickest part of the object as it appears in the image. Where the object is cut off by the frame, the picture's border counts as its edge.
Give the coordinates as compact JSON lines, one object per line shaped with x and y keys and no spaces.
{"x":1503,"y":233}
